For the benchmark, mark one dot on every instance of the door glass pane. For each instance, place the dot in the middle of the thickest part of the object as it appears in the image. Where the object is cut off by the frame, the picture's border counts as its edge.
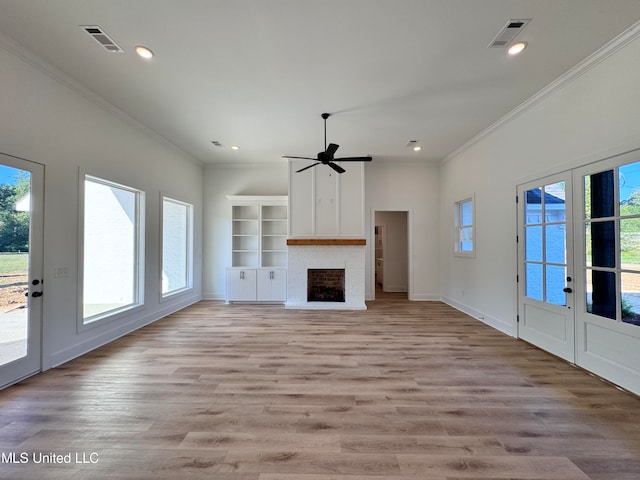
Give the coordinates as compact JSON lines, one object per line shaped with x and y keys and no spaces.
{"x":601,"y":293}
{"x":630,"y":302}
{"x":629,"y":189}
{"x":533,"y":244}
{"x":601,"y":195}
{"x":588,"y":261}
{"x":555,"y":283}
{"x":589,"y":290}
{"x":603,"y":244}
{"x":533,"y":279}
{"x":533,"y":206}
{"x":630,"y":243}
{"x":554,"y":202}
{"x":555,"y":243}
{"x":15,"y":202}
{"x":545,"y":242}
{"x":587,"y":197}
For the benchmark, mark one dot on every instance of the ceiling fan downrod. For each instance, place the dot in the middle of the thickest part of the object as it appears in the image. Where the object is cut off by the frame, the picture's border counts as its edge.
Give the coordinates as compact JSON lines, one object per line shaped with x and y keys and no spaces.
{"x":327,"y":156}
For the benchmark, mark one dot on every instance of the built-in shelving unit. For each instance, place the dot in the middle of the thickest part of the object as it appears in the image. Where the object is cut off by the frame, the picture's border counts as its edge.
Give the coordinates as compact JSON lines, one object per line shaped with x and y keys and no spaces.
{"x":245,"y":231}
{"x":273,"y":252}
{"x":258,"y":248}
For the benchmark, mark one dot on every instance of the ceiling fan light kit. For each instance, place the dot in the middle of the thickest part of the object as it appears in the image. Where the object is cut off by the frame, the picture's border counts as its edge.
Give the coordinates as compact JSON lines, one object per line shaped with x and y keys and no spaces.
{"x":327,"y":156}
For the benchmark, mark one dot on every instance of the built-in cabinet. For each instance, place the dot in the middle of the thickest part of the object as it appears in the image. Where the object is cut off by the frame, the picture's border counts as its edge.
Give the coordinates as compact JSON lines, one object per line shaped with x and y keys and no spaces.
{"x":259,"y":229}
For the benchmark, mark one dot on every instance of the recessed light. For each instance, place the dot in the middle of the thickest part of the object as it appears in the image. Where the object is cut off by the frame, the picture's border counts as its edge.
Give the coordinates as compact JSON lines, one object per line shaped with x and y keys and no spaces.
{"x":144,"y":52}
{"x":235,"y":147}
{"x":516,"y":48}
{"x":417,"y":148}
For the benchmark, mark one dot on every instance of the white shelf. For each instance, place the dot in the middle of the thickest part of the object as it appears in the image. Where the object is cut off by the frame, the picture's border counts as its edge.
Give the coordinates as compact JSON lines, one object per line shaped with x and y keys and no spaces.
{"x":259,"y":231}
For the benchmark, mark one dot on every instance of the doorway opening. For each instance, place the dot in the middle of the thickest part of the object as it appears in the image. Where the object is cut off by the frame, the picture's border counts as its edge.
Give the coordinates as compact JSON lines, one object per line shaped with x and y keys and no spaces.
{"x":391,"y":254}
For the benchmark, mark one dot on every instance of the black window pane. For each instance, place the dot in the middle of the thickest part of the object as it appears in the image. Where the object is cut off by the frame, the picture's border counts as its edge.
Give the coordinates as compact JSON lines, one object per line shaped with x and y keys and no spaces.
{"x":603,"y":244}
{"x":602,"y":194}
{"x":603,"y":295}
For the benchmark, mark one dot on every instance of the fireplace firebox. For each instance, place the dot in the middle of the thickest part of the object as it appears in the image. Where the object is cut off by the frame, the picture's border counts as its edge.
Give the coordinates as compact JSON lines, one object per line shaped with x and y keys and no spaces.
{"x":325,"y":285}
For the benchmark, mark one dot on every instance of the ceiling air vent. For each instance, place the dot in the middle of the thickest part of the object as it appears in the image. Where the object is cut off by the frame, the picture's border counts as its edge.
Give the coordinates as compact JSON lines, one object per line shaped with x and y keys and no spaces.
{"x":217,"y":143}
{"x":102,"y":38}
{"x":509,"y":32}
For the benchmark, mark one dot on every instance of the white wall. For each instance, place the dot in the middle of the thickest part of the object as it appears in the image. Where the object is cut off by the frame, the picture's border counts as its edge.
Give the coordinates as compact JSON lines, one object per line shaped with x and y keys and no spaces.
{"x":46,"y":121}
{"x":396,"y":242}
{"x":415,"y":189}
{"x":402,"y":187}
{"x":594,"y":116}
{"x":220,"y":181}
{"x":323,"y":203}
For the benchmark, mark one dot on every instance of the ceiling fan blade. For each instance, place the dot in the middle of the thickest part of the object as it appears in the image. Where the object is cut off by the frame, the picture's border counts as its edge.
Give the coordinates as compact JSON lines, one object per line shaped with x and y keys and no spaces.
{"x":331,"y":149}
{"x":337,"y":168}
{"x":307,"y":167}
{"x":353,"y":159}
{"x":302,"y":158}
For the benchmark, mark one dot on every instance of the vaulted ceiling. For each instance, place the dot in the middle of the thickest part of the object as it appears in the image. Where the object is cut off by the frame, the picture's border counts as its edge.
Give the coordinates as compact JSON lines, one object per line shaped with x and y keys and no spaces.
{"x":258,"y":73}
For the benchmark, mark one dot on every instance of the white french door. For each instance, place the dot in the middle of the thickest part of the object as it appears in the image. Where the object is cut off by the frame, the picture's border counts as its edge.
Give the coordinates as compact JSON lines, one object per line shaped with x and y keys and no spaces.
{"x":545,"y":265}
{"x":579,"y":267}
{"x":21,"y":259}
{"x":608,"y":254}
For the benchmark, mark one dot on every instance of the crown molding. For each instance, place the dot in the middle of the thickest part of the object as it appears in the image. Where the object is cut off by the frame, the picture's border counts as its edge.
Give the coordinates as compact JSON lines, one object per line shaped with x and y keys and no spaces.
{"x":604,"y":52}
{"x":19,"y":51}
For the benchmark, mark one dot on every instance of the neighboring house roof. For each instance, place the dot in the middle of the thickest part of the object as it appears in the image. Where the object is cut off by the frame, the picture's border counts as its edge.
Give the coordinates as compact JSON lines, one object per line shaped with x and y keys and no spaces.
{"x":24,"y":203}
{"x":552,"y":194}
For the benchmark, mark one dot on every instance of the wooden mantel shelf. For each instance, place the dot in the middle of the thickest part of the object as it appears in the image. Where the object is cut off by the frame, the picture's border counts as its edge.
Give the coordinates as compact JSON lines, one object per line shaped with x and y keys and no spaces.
{"x":327,"y":241}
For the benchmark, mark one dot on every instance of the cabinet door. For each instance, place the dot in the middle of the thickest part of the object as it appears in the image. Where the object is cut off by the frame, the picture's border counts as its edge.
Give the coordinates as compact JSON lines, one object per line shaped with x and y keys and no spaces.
{"x":241,"y":285}
{"x":272,"y":285}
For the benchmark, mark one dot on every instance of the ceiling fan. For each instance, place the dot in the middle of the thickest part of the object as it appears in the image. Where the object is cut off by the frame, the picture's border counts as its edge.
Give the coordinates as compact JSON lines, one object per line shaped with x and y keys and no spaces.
{"x":327,"y":157}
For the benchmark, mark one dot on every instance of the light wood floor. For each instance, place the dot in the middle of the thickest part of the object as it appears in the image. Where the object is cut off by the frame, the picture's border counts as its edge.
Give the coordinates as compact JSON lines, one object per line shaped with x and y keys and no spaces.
{"x":401,"y":391}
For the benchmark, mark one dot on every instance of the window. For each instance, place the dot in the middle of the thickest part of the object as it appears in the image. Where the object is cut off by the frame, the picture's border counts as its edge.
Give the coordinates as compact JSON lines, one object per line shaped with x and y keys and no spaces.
{"x":177,"y":256}
{"x":112,"y":249}
{"x":464,"y":226}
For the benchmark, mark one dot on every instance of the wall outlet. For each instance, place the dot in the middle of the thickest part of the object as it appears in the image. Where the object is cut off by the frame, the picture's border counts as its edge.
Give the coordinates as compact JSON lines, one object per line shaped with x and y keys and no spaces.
{"x":60,"y":272}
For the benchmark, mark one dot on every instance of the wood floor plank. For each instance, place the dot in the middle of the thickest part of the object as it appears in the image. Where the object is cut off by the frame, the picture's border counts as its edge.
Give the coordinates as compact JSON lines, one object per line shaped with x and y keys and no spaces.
{"x":401,"y":391}
{"x":498,"y":467}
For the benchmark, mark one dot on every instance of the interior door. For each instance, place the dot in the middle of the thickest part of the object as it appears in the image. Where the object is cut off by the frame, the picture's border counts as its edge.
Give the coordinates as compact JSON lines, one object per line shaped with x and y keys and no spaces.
{"x":21,"y":245}
{"x":545,"y":265}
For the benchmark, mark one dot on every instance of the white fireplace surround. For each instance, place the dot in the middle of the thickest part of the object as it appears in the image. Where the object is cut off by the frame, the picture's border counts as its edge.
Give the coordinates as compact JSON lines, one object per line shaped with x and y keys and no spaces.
{"x":303,"y":257}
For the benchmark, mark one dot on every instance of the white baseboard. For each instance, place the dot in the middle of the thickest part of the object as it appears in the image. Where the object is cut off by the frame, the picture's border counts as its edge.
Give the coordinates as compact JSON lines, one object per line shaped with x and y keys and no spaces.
{"x":426,"y":297}
{"x":496,"y":323}
{"x":213,"y":296}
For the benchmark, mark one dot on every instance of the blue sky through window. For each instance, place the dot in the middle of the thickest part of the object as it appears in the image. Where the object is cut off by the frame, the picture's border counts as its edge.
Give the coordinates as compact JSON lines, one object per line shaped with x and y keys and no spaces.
{"x":629,"y":179}
{"x":8,"y":175}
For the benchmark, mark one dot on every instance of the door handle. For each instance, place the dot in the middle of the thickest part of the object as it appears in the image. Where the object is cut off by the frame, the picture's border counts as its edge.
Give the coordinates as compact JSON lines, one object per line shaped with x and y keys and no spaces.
{"x":567,"y":290}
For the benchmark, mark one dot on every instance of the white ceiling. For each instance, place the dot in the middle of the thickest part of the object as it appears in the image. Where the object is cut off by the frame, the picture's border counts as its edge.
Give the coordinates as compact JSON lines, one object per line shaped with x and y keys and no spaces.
{"x":258,"y":73}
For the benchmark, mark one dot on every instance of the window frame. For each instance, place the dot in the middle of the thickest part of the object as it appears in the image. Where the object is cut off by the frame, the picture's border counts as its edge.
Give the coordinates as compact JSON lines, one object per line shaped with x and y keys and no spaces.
{"x":138,"y":280}
{"x":189,"y":247}
{"x":459,"y":226}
